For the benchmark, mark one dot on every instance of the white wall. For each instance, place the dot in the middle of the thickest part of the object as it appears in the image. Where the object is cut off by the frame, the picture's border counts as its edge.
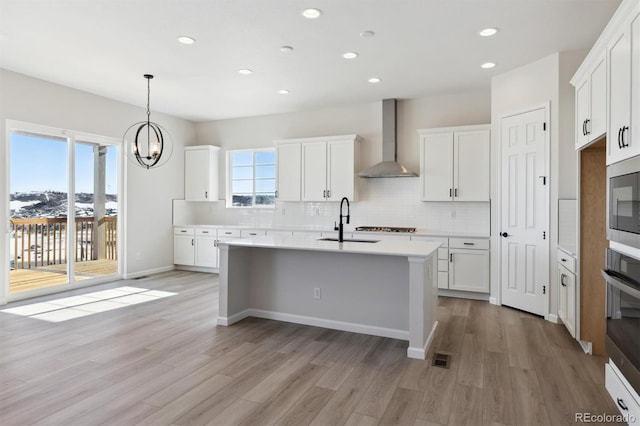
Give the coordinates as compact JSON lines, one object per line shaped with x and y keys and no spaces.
{"x":149,"y":192}
{"x":392,"y":202}
{"x":545,"y":80}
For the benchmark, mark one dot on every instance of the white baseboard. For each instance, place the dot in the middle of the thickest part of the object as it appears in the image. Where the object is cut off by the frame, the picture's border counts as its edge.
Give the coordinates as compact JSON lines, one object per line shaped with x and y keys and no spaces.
{"x":587,"y":347}
{"x":553,"y":318}
{"x":494,"y":301}
{"x":198,"y":269}
{"x":421,"y":353}
{"x":463,"y":294}
{"x":148,"y":272}
{"x":325,"y":323}
{"x":234,"y":318}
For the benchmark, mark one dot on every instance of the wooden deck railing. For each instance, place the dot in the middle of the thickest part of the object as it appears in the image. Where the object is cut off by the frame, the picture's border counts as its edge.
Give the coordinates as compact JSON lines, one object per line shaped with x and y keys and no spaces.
{"x":43,"y":241}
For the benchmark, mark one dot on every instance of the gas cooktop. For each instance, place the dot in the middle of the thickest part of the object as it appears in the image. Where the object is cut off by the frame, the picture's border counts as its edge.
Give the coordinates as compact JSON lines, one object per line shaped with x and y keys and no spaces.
{"x":385,"y":229}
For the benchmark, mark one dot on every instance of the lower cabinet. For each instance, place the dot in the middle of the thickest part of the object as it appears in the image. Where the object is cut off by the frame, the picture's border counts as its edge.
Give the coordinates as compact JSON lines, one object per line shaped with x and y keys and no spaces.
{"x":184,"y":246}
{"x":468,"y":262}
{"x":206,"y":252}
{"x":567,"y":292}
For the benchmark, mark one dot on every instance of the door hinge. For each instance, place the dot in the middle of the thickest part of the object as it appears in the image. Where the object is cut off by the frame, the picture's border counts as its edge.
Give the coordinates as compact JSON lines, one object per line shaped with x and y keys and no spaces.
{"x":544,"y":126}
{"x":544,"y":289}
{"x":544,"y":235}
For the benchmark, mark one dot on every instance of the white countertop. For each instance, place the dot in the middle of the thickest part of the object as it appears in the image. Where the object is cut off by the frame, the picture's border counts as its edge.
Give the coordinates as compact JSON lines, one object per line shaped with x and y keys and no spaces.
{"x":383,"y":247}
{"x":419,"y":232}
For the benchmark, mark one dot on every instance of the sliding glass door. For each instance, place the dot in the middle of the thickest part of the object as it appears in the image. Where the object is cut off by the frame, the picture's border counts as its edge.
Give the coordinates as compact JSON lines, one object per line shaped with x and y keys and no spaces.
{"x":64,"y":198}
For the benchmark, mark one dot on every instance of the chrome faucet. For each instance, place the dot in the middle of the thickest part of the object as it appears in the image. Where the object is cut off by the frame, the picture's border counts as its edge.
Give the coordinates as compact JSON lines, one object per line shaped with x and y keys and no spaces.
{"x":340,"y":227}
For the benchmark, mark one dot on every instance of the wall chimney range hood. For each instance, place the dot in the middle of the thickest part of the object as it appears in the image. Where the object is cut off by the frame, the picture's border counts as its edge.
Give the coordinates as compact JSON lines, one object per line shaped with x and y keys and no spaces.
{"x":388,"y":167}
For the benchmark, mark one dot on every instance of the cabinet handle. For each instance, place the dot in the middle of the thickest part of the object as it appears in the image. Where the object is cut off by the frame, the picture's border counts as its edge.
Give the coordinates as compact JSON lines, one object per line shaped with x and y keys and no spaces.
{"x":215,"y":243}
{"x":455,"y":192}
{"x":586,"y":127}
{"x":183,"y":231}
{"x":192,"y":241}
{"x":450,"y":257}
{"x":619,"y":140}
{"x":562,"y":280}
{"x":328,"y":193}
{"x":206,"y":194}
{"x":563,"y":259}
{"x":276,"y":194}
{"x":622,"y":405}
{"x":252,"y":233}
{"x":450,"y":193}
{"x":324,"y":194}
{"x":205,"y":232}
{"x":228,"y":232}
{"x":469,"y":244}
{"x":584,"y":124}
{"x":624,"y":129}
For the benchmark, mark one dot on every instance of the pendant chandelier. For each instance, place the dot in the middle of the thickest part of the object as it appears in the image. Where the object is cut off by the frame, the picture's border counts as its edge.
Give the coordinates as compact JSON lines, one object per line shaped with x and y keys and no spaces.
{"x":151,"y":145}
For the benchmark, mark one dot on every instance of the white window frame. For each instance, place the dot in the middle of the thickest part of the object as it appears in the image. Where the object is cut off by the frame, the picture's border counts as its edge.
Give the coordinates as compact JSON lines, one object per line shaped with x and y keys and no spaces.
{"x":229,"y":193}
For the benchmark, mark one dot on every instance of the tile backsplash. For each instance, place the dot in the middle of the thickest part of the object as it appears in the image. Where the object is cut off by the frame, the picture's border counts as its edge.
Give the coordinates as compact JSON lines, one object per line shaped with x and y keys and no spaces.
{"x":380,"y":202}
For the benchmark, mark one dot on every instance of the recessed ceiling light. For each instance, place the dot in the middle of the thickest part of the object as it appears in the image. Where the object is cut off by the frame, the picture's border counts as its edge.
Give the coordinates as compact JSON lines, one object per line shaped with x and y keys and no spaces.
{"x":245,"y":71}
{"x":367,"y":34}
{"x":488,"y":32}
{"x":286,"y":49}
{"x":283,"y":91}
{"x":488,"y":65}
{"x":186,"y":40}
{"x":311,"y":13}
{"x":350,"y":55}
{"x":374,"y":80}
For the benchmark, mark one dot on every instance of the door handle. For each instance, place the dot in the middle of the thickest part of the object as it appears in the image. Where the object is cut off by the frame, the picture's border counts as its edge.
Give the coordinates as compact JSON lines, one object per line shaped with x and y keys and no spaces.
{"x":504,"y":234}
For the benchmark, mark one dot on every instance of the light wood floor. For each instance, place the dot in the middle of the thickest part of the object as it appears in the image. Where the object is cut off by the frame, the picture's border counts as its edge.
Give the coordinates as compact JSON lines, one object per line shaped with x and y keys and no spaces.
{"x":166,"y":363}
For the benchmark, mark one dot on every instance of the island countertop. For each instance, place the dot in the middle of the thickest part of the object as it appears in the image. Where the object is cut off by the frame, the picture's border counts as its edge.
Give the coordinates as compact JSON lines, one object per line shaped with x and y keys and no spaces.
{"x":382,"y":247}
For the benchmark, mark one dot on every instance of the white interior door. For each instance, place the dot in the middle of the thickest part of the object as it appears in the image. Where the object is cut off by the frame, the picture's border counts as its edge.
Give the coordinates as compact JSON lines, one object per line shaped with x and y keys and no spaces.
{"x":525,"y":217}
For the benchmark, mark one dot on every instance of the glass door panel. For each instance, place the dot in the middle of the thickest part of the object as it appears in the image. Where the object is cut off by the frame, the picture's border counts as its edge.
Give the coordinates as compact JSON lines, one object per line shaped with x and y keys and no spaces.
{"x":96,"y":210}
{"x":38,"y":206}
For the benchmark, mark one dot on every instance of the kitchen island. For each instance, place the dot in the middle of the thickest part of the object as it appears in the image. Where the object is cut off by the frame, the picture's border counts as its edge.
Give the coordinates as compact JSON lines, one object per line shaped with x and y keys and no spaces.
{"x":385,"y":288}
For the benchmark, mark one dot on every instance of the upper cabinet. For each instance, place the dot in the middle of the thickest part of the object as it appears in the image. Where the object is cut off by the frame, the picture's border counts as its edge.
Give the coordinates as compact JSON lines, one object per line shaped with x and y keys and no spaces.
{"x":317,"y":169}
{"x":455,"y":163}
{"x":591,"y":104}
{"x":288,"y":170}
{"x":201,"y":173}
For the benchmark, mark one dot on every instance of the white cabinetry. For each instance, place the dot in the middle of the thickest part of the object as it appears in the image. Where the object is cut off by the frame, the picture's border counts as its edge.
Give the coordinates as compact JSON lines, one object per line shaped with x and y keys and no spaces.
{"x":469,"y":264}
{"x":623,"y":63}
{"x":623,"y":395}
{"x":289,"y":172}
{"x":329,"y":168}
{"x":206,"y":248}
{"x":201,"y":173}
{"x":184,"y":246}
{"x":455,"y":163}
{"x":443,"y":257}
{"x":567,"y":291}
{"x":591,"y":104}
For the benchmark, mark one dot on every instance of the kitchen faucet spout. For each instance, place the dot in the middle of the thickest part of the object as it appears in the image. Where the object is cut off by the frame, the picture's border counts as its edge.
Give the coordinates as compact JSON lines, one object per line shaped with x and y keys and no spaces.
{"x":340,"y":227}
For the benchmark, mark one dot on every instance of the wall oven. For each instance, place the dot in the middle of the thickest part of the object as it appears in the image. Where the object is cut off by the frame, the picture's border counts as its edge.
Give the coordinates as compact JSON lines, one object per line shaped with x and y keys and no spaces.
{"x":622,"y":275}
{"x":623,"y":205}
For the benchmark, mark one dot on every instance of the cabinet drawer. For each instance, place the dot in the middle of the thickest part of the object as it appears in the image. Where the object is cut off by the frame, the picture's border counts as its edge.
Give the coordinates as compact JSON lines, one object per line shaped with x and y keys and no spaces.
{"x":183,"y":231}
{"x":443,"y":254}
{"x":252,"y":233}
{"x":206,"y":232}
{"x":443,"y":265}
{"x":567,"y":261}
{"x":469,"y":243}
{"x":621,"y":395}
{"x":229,"y":233}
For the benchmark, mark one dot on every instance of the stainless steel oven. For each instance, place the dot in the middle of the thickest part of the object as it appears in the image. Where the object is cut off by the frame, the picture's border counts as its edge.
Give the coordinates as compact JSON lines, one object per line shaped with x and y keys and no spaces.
{"x":623,"y":202}
{"x":622,"y":275}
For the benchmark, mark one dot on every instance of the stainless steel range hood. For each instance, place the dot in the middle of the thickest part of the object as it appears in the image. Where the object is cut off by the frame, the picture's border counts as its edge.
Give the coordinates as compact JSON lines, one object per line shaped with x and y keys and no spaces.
{"x":389,"y":167}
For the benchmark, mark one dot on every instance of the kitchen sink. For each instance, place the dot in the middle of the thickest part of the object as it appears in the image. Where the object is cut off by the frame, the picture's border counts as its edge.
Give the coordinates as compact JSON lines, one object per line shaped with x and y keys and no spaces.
{"x":349,"y":240}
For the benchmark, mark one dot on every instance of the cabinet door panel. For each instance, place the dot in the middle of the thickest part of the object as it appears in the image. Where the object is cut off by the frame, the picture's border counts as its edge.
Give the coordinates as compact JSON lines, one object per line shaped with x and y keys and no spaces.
{"x":471,"y":152}
{"x":582,"y":113}
{"x":436,"y":171}
{"x":183,"y":250}
{"x":289,"y":172}
{"x":206,"y":252}
{"x":341,"y":174}
{"x":619,"y":54}
{"x":598,"y":101}
{"x":314,"y":171}
{"x":196,"y":175}
{"x":469,"y":270}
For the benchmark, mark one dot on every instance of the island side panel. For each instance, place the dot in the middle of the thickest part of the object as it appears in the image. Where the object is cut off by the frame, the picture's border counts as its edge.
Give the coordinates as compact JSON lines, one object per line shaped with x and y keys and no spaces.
{"x":233,"y":300}
{"x":358,"y":292}
{"x":423,"y":304}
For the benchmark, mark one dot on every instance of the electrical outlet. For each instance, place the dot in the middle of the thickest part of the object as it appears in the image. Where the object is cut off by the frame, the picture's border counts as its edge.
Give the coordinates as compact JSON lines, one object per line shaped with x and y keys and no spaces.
{"x":316,"y":293}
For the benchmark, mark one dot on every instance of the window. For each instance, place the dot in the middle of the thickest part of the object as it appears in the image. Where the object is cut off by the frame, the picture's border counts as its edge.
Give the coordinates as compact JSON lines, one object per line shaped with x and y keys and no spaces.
{"x":251,"y":178}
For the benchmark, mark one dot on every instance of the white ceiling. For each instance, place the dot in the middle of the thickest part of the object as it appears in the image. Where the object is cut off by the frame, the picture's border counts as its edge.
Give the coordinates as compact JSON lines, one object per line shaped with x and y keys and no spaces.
{"x":420,"y":47}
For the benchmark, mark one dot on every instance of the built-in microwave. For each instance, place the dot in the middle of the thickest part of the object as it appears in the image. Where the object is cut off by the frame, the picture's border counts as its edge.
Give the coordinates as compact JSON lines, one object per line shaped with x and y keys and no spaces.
{"x":622,"y":276}
{"x":623,"y":202}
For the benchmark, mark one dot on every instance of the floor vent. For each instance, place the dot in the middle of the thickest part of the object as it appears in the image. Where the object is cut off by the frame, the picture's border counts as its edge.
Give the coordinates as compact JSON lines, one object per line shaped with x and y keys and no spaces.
{"x":441,"y":360}
{"x":141,"y":278}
